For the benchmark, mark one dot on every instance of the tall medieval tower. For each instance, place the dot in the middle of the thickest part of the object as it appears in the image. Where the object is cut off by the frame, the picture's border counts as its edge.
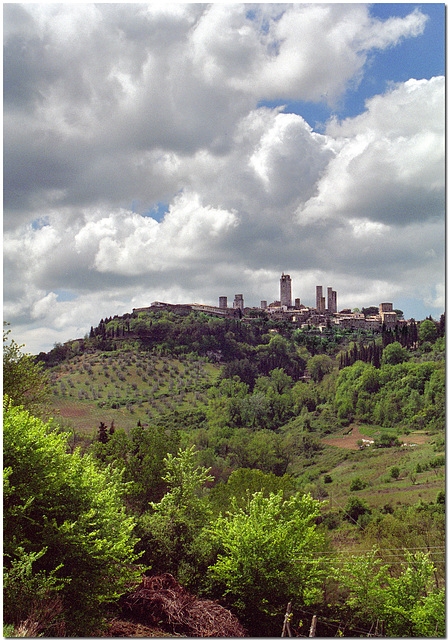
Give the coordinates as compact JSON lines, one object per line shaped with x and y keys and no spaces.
{"x":285,"y":291}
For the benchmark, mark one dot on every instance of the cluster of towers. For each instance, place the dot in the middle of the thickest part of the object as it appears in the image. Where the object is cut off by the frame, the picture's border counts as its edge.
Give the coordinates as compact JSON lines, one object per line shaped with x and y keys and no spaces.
{"x":286,"y":296}
{"x":238,"y":303}
{"x":332,"y":306}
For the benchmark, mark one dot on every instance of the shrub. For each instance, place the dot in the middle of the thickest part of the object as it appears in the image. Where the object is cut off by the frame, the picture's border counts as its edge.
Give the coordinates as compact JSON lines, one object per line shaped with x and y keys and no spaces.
{"x":264,"y":559}
{"x":30,"y":598}
{"x":357,"y":484}
{"x":395,"y":473}
{"x":354,"y":508}
{"x":65,"y":504}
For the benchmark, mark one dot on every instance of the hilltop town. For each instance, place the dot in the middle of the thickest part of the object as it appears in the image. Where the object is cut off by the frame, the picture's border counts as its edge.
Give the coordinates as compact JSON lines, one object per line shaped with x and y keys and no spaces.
{"x":323,"y":314}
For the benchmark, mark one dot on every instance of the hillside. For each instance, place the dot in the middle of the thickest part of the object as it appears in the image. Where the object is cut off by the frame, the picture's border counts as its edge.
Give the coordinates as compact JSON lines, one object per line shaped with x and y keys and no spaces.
{"x":142,"y":378}
{"x":353,"y":422}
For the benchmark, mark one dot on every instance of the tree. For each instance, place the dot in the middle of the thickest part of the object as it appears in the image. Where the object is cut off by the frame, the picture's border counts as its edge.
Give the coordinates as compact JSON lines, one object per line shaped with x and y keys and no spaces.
{"x":171,"y":530}
{"x":70,"y":511}
{"x":318,"y":366}
{"x":140,"y":455}
{"x":408,"y":604}
{"x":243,"y":483}
{"x":427,"y":331}
{"x":24,"y":381}
{"x":245,"y":369}
{"x":394,"y":353}
{"x":355,"y":508}
{"x":395,"y":473}
{"x":264,"y":557}
{"x":357,"y":484}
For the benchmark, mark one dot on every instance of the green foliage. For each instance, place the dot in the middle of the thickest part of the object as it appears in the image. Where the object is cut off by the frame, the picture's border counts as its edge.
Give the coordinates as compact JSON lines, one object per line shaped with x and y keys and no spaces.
{"x":355,"y":508}
{"x":244,"y":483}
{"x":401,"y":393}
{"x":264,"y":557}
{"x":24,"y":381}
{"x":140,"y":456}
{"x":171,"y":530}
{"x":394,"y":353}
{"x":357,"y":484}
{"x":69,"y":506}
{"x":427,"y":331}
{"x":246,"y":370}
{"x":395,"y":473}
{"x":387,"y":440}
{"x":318,"y":366}
{"x":408,"y":603}
{"x":31,"y":595}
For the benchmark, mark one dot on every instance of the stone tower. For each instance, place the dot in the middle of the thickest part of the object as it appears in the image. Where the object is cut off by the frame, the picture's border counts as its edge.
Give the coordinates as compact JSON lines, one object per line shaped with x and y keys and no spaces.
{"x":238,"y":303}
{"x":285,"y":291}
{"x":320,"y":301}
{"x":332,"y":304}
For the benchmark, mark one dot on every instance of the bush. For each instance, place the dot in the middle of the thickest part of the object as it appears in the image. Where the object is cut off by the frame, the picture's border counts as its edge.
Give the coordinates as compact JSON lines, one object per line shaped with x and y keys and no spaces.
{"x":264,"y":559}
{"x":357,"y":484}
{"x":68,"y":507}
{"x":395,"y":473}
{"x":171,"y":530}
{"x":32,"y":596}
{"x":355,"y":508}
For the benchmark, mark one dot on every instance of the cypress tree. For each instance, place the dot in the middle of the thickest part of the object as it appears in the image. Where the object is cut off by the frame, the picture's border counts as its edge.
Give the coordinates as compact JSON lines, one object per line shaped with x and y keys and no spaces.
{"x":102,"y":433}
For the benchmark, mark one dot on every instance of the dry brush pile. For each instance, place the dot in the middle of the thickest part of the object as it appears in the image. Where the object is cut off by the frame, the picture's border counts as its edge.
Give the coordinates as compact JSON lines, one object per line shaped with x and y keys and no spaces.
{"x":162,"y":600}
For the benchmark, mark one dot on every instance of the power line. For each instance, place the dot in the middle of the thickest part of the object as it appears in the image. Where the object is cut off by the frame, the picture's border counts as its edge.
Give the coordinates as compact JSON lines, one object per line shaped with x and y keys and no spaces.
{"x":379,"y":549}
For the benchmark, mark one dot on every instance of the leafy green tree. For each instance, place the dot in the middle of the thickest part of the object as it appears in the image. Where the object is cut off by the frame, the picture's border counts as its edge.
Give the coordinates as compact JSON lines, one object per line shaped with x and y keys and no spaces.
{"x":355,"y":508}
{"x":31,"y":598}
{"x":71,"y":508}
{"x":408,"y":603}
{"x":318,"y":366}
{"x":279,"y":381}
{"x":394,"y":353}
{"x":24,"y":381}
{"x":139,"y":455}
{"x":243,"y":483}
{"x":264,"y":560}
{"x":357,"y":484}
{"x":171,"y":529}
{"x":427,"y":331}
{"x":245,"y":369}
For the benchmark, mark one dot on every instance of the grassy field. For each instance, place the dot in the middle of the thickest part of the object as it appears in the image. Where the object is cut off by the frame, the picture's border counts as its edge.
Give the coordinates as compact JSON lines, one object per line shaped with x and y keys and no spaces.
{"x":374,"y":468}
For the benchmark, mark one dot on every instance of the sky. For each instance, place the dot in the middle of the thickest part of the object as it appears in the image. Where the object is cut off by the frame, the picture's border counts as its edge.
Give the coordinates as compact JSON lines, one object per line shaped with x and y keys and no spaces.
{"x":182,"y":152}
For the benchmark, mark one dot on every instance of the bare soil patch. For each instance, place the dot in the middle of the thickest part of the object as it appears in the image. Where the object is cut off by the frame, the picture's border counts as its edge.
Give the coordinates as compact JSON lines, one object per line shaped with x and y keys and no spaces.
{"x":345,"y":442}
{"x":413,"y":439}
